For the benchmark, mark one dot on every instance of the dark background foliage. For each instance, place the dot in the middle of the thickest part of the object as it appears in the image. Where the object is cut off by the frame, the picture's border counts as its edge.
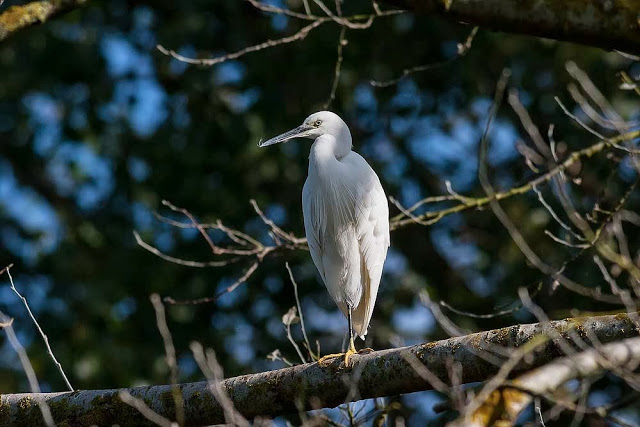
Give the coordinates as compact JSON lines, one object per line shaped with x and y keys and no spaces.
{"x":97,"y":127}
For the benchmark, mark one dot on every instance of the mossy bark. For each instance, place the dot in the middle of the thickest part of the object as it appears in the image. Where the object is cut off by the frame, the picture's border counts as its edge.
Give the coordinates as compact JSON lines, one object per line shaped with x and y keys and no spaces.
{"x":15,"y":18}
{"x":272,"y":393}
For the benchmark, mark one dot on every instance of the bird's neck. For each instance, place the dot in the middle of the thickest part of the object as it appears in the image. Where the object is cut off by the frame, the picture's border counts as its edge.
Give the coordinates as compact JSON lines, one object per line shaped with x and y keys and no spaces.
{"x":327,"y":148}
{"x":325,"y":151}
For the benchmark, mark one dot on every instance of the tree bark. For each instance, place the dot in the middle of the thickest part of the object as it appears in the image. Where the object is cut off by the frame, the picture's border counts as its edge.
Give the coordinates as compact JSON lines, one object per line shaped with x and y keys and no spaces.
{"x":273,"y":393}
{"x":16,"y":18}
{"x":609,"y":24}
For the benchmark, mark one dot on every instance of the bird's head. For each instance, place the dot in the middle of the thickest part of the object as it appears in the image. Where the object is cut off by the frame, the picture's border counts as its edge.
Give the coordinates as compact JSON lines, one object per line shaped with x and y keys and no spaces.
{"x":317,"y":124}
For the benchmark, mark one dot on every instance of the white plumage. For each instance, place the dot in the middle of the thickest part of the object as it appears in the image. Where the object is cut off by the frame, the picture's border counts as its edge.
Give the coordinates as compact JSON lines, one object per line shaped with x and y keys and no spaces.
{"x":346,"y":217}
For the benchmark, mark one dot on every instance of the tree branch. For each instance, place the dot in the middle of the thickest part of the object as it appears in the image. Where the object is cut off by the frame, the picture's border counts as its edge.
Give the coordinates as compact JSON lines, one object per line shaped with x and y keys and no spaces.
{"x":272,"y":393}
{"x":19,"y":17}
{"x":510,"y":400}
{"x":611,"y":25}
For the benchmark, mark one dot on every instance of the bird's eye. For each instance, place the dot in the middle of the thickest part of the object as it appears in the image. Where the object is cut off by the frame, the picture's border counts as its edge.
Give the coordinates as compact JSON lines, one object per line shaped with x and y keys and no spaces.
{"x":317,"y":123}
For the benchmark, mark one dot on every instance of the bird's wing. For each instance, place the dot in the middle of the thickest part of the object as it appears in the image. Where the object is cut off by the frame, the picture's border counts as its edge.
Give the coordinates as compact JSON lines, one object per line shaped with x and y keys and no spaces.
{"x":312,"y":227}
{"x":372,"y":229}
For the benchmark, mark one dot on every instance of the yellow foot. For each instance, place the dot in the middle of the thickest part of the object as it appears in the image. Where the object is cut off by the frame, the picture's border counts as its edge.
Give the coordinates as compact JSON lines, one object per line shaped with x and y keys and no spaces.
{"x":351,"y":351}
{"x":323,"y":361}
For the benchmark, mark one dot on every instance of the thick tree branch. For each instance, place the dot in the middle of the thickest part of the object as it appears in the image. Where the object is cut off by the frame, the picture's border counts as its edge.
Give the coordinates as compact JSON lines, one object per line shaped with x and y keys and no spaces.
{"x":16,"y":18}
{"x":381,"y":373}
{"x":611,"y":24}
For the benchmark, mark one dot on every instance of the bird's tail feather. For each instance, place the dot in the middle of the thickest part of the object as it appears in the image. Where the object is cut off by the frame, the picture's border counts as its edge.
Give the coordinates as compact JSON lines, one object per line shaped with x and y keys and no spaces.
{"x":361,"y":315}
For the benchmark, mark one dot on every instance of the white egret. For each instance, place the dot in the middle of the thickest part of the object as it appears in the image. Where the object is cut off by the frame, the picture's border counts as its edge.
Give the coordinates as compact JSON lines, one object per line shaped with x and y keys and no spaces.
{"x":346,"y":219}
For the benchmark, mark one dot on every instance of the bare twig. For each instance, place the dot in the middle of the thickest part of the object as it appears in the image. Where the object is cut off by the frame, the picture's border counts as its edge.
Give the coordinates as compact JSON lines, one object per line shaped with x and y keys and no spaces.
{"x":463,"y":48}
{"x":508,"y":224}
{"x":401,"y":219}
{"x":170,"y":352}
{"x":288,"y":319}
{"x":147,"y":412}
{"x":280,"y":11}
{"x":180,"y":261}
{"x":450,"y":328}
{"x":40,"y":331}
{"x":342,"y":42}
{"x":527,"y":123}
{"x":26,"y":366}
{"x":498,"y":313}
{"x":477,"y":407}
{"x":300,"y":35}
{"x":345,"y":22}
{"x":213,"y":371}
{"x":242,"y":279}
{"x":304,"y":330}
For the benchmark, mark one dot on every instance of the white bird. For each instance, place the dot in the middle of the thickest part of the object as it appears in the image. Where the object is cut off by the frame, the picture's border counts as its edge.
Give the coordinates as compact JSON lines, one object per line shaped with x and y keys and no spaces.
{"x":346,"y":219}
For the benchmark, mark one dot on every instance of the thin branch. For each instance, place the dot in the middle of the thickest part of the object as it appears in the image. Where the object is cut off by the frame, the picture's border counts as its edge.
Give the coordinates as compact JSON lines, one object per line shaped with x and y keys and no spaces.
{"x":242,"y":279}
{"x":463,"y":48}
{"x":342,"y":42}
{"x":304,"y":330}
{"x":577,"y":120}
{"x":498,"y":313}
{"x":216,"y":250}
{"x":44,"y":336}
{"x":345,"y":22}
{"x":275,"y":229}
{"x":170,"y":355}
{"x":208,"y":62}
{"x":401,"y":219}
{"x":289,"y":318}
{"x":527,"y":123}
{"x":555,"y":216}
{"x":143,"y":409}
{"x":180,"y":261}
{"x":213,"y":371}
{"x":27,"y":367}
{"x":522,"y":244}
{"x":449,"y":327}
{"x":477,"y":404}
{"x":280,"y":11}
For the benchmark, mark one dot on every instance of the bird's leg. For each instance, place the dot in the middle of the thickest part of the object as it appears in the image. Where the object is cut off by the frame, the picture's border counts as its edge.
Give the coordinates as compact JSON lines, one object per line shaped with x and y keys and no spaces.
{"x":350,"y":351}
{"x":352,"y":348}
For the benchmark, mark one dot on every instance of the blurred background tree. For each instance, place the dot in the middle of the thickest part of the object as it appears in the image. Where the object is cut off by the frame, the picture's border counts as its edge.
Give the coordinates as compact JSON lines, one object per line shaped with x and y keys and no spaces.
{"x":97,"y":127}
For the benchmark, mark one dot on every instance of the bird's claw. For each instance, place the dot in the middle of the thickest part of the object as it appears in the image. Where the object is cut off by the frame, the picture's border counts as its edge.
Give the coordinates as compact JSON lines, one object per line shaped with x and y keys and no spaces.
{"x":366,"y":350}
{"x":351,"y":351}
{"x":323,"y":361}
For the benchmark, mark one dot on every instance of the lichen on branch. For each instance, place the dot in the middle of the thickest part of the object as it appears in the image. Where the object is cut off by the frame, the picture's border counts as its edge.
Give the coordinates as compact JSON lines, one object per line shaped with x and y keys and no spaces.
{"x":16,"y":18}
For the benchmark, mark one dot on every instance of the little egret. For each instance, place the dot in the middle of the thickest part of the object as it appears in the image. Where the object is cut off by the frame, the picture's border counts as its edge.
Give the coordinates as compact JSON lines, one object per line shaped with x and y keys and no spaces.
{"x":346,"y":219}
